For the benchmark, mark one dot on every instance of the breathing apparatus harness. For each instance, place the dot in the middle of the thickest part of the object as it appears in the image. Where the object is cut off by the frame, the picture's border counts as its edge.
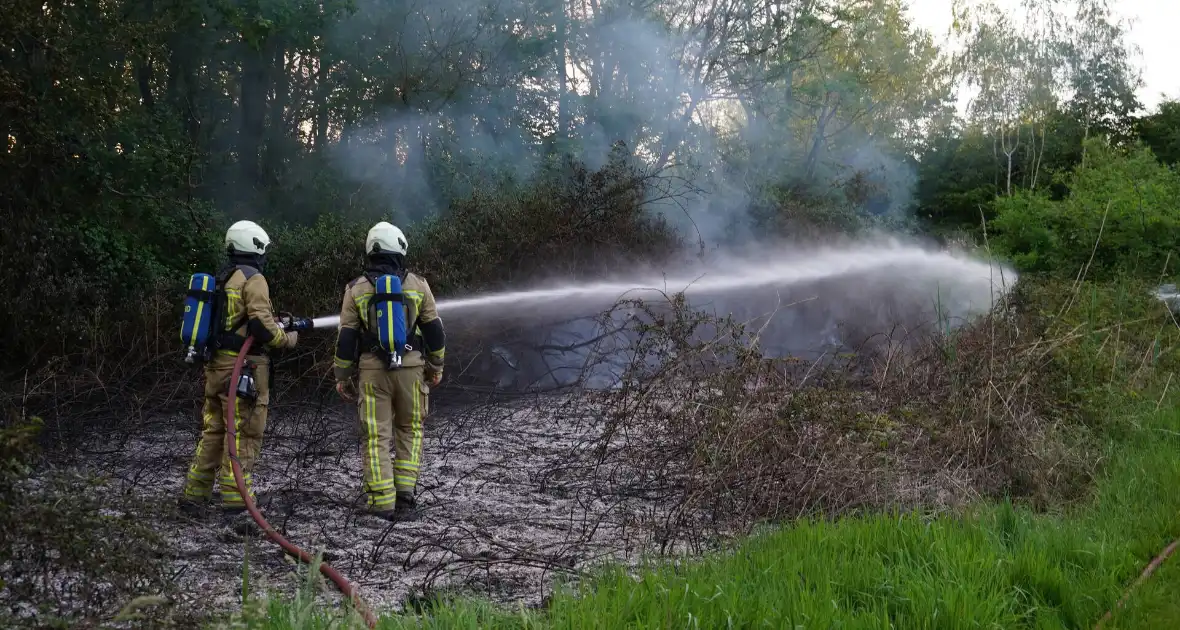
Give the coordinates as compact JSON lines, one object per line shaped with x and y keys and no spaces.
{"x":205,"y":304}
{"x":387,"y":335}
{"x":205,"y":308}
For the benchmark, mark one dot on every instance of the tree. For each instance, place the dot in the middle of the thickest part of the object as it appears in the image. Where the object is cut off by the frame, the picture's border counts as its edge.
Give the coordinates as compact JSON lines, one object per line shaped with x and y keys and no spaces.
{"x":1160,"y":131}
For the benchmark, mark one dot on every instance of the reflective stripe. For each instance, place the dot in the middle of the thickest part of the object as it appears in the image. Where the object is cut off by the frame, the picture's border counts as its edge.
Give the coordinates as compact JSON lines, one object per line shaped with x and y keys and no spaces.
{"x":233,"y":307}
{"x":277,"y":340}
{"x":412,"y":317}
{"x":362,"y":307}
{"x":238,"y":422}
{"x":382,"y":500}
{"x":369,"y":415}
{"x":229,"y":489}
{"x":381,"y":486}
{"x":416,"y":427}
{"x":407,"y":470}
{"x":200,"y":311}
{"x":200,"y":484}
{"x":389,"y":320}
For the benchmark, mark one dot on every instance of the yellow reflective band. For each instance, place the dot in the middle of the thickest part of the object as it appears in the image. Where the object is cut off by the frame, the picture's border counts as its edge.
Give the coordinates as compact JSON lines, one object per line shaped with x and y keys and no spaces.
{"x":416,"y":298}
{"x":362,"y":307}
{"x":369,"y":415}
{"x":200,"y":311}
{"x":380,"y":486}
{"x":416,"y":427}
{"x":277,"y":340}
{"x":390,"y":305}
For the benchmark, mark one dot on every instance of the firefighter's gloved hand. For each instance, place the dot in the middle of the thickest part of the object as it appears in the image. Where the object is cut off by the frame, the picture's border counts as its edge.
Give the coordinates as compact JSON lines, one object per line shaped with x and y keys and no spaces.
{"x":346,"y":391}
{"x":434,"y":374}
{"x":290,"y":339}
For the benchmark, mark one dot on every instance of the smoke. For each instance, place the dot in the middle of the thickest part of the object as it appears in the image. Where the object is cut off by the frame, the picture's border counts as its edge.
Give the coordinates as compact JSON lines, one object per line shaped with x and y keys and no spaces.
{"x":741,"y":141}
{"x":470,"y":103}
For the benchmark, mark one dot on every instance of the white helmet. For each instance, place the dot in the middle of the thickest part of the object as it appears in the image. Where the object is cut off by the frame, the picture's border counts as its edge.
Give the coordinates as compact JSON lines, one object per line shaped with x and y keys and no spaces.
{"x":386,"y":238}
{"x":247,"y":237}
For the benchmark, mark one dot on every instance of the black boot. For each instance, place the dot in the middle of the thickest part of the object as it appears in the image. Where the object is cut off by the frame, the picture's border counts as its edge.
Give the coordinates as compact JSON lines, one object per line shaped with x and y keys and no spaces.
{"x":239,"y":521}
{"x":191,"y":508}
{"x":388,"y":515}
{"x":406,"y":505}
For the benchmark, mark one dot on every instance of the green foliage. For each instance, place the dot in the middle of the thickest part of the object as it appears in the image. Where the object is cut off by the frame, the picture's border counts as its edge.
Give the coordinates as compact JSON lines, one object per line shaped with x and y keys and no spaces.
{"x":309,"y":265}
{"x":572,"y":222}
{"x":1121,"y":211}
{"x":18,"y":448}
{"x":1160,"y":131}
{"x":956,"y":180}
{"x":76,"y":550}
{"x":1115,"y":343}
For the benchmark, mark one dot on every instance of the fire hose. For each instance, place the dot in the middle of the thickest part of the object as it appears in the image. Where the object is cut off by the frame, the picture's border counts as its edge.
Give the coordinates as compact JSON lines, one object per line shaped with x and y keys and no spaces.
{"x":341,"y":582}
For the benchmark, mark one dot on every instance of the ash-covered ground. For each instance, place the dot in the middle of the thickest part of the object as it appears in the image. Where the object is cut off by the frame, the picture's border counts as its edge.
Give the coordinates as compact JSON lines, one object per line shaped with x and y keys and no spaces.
{"x":503,"y":510}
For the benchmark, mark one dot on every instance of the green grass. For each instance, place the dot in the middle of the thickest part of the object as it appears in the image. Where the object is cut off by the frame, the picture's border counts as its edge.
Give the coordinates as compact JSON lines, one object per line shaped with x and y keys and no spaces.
{"x":997,"y":567}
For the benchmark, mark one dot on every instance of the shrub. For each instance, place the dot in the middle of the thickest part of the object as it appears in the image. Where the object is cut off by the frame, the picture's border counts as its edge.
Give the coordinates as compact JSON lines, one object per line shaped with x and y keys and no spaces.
{"x":1122,"y":209}
{"x":573,"y":221}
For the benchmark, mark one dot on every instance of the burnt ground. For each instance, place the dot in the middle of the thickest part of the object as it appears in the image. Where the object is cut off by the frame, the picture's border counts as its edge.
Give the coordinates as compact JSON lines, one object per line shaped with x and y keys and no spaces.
{"x":501,"y":513}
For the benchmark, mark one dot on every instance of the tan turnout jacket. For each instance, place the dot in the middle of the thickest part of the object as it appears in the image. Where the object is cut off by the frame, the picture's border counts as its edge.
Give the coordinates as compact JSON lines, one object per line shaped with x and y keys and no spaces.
{"x":247,"y":296}
{"x":356,"y":313}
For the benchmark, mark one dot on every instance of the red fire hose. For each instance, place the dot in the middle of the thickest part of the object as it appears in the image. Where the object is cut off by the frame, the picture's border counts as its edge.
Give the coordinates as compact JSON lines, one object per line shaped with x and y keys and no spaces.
{"x":343,"y":584}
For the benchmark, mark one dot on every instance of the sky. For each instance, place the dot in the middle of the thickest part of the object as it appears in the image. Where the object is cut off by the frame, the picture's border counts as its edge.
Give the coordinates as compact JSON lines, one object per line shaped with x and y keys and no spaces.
{"x":1155,"y":29}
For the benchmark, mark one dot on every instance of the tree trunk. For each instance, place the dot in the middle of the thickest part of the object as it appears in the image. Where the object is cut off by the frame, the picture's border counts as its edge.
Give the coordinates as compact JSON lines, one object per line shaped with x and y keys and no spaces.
{"x":144,"y":72}
{"x":277,"y":124}
{"x":323,"y":89}
{"x":252,"y":115}
{"x":562,"y":78}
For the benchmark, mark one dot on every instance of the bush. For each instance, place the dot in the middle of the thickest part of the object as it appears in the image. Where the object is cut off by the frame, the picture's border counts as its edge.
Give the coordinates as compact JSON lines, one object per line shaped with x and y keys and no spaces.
{"x":1020,"y":401}
{"x":1122,"y":209}
{"x":71,"y":550}
{"x":572,"y":222}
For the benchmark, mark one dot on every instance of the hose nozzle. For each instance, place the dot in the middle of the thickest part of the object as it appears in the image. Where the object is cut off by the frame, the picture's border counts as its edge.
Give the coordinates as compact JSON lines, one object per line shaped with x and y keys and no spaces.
{"x":290,"y":322}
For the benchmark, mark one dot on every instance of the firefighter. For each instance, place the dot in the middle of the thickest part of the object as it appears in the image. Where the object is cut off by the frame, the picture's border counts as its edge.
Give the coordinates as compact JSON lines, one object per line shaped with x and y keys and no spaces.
{"x":393,"y":395}
{"x":245,"y":310}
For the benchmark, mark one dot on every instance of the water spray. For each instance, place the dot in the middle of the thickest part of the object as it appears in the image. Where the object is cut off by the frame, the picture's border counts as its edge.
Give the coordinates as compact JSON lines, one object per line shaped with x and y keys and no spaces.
{"x":776,"y":270}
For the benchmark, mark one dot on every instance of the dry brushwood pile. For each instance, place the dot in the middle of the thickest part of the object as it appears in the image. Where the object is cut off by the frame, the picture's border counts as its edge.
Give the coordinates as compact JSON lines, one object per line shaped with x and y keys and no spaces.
{"x":698,"y":437}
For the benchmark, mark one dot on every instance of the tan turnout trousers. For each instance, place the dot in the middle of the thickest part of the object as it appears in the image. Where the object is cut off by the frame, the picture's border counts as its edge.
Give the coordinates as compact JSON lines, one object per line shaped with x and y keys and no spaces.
{"x":247,"y":297}
{"x":212,"y":449}
{"x":391,"y":405}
